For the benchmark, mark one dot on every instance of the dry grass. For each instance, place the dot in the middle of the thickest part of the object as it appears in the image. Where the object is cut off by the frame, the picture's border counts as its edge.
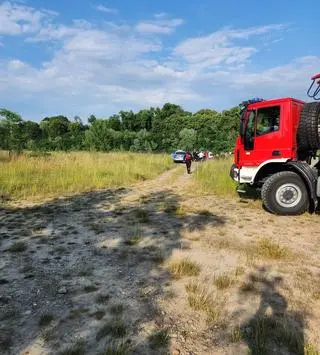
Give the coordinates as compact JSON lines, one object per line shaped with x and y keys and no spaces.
{"x":236,"y":334}
{"x":68,"y":173}
{"x":184,"y":267}
{"x":308,"y":283}
{"x":223,"y":281}
{"x":269,"y":249}
{"x":309,"y":349}
{"x":201,"y":298}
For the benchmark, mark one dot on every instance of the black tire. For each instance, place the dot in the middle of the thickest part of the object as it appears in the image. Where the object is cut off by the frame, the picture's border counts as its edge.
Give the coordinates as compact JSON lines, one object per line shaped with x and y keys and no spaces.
{"x":281,"y":188}
{"x":308,"y":135}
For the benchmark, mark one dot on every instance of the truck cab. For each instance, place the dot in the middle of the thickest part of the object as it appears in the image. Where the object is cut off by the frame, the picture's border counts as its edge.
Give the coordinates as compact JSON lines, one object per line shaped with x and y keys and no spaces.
{"x":268,"y":132}
{"x":276,"y":151}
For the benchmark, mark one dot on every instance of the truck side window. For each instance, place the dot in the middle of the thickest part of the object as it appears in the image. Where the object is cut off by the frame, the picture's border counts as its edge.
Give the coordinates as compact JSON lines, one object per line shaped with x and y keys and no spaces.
{"x":268,"y":120}
{"x":249,"y":133}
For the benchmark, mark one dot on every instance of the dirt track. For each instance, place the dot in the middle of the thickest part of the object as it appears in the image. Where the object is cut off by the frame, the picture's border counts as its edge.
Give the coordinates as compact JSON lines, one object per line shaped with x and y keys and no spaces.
{"x":91,"y":272}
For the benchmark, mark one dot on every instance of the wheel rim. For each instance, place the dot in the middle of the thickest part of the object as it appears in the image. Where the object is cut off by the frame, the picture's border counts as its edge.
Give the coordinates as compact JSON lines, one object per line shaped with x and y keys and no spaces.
{"x":288,"y":195}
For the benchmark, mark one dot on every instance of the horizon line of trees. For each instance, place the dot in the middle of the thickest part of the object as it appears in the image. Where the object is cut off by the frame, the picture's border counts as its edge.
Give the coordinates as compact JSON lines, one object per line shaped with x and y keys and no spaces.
{"x":150,"y":130}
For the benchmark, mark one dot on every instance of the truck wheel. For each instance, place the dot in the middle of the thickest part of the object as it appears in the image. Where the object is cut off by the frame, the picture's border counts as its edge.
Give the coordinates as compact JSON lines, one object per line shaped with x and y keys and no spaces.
{"x":308,"y":136}
{"x":285,"y":193}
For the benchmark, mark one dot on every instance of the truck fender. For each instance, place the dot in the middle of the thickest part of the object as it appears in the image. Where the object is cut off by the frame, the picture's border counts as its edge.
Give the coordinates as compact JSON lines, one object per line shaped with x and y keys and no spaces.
{"x":309,"y":177}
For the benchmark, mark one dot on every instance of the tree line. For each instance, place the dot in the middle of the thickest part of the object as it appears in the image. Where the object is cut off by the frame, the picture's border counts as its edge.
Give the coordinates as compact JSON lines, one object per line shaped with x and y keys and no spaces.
{"x":155,"y":129}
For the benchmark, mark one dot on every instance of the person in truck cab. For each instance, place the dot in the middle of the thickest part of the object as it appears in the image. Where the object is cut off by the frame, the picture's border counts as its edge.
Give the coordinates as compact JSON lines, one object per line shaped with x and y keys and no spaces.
{"x":266,"y":124}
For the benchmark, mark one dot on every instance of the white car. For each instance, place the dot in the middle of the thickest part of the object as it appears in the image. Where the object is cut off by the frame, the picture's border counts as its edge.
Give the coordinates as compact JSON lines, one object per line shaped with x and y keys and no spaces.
{"x":178,"y":156}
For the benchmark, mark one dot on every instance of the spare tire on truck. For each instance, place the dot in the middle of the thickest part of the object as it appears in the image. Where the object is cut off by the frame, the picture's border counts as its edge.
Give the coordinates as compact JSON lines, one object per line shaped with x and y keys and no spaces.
{"x":308,"y":136}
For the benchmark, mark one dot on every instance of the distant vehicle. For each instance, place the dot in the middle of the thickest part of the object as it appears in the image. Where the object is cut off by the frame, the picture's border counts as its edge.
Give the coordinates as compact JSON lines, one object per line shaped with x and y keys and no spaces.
{"x":178,"y":156}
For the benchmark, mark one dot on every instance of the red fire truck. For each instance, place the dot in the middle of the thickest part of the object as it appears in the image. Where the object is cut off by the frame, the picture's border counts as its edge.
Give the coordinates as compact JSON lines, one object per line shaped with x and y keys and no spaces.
{"x":277,"y":151}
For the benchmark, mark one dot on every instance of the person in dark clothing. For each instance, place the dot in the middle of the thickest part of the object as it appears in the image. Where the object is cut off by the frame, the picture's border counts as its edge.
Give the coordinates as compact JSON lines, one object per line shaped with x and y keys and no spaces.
{"x":188,"y":161}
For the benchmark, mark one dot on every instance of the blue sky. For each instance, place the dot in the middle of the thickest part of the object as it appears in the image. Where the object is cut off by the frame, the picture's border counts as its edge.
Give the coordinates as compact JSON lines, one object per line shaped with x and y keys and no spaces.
{"x":90,"y":57}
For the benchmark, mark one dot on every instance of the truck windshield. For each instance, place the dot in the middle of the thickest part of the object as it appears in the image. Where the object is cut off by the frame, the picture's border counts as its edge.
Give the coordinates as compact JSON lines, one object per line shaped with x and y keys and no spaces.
{"x":249,"y":132}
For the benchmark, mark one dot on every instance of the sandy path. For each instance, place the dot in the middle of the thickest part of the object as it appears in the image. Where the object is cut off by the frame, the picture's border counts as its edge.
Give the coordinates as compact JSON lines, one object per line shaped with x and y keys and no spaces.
{"x":90,"y":273}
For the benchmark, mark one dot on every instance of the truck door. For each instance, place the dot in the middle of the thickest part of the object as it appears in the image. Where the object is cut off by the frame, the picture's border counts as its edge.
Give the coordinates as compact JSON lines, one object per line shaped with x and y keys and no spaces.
{"x":263,"y":138}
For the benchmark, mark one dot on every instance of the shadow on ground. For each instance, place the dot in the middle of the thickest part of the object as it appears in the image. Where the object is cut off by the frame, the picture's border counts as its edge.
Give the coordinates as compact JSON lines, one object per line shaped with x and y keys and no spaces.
{"x":273,"y":328}
{"x":82,"y":275}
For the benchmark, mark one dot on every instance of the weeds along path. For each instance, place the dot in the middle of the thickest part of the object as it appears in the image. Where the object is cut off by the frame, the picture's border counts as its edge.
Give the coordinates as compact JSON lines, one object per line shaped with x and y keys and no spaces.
{"x":157,"y":269}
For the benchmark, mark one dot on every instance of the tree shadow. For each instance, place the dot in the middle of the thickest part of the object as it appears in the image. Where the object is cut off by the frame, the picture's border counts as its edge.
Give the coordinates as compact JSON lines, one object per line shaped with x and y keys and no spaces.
{"x":273,"y":329}
{"x":86,"y":272}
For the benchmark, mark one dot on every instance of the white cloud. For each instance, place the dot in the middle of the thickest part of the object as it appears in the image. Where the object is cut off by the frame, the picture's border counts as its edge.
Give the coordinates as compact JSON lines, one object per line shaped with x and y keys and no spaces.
{"x":16,"y":19}
{"x":160,"y":15}
{"x":102,"y":69}
{"x":105,"y":9}
{"x":219,"y":47}
{"x":15,"y":64}
{"x":159,"y":26}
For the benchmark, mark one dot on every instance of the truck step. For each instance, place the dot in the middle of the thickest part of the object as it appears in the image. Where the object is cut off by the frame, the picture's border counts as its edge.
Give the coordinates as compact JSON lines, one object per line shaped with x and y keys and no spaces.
{"x":241,"y":191}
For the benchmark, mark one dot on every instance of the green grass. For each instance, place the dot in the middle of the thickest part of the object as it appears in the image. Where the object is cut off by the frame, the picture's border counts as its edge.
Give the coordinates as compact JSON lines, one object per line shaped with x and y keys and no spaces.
{"x":184,"y":267}
{"x":102,"y":299}
{"x":213,"y":177}
{"x":117,"y":309}
{"x":141,"y":215}
{"x":90,"y":288}
{"x":268,"y":331}
{"x":68,"y":173}
{"x":115,"y":328}
{"x":45,"y":320}
{"x":134,"y":240}
{"x":17,"y":247}
{"x":99,"y":314}
{"x":117,"y":349}
{"x":159,"y":339}
{"x":76,"y":349}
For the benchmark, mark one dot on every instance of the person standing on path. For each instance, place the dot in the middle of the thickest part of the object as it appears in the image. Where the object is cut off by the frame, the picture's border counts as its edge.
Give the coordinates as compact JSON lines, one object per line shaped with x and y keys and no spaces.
{"x":188,"y":161}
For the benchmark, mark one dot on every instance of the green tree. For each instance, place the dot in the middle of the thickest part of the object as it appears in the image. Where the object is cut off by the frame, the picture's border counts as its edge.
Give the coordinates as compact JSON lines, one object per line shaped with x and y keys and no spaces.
{"x":114,"y":122}
{"x":144,"y":142}
{"x":100,"y":137}
{"x":92,"y":118}
{"x":188,"y":139}
{"x":12,"y":127}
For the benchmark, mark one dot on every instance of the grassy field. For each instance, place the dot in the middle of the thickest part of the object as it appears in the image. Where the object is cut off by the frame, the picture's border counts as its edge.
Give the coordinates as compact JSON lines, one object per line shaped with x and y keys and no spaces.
{"x":213,"y":177}
{"x":34,"y":178}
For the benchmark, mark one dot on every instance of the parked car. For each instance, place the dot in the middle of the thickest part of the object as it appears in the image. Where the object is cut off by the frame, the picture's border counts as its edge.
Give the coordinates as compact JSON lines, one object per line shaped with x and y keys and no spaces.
{"x":178,"y":156}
